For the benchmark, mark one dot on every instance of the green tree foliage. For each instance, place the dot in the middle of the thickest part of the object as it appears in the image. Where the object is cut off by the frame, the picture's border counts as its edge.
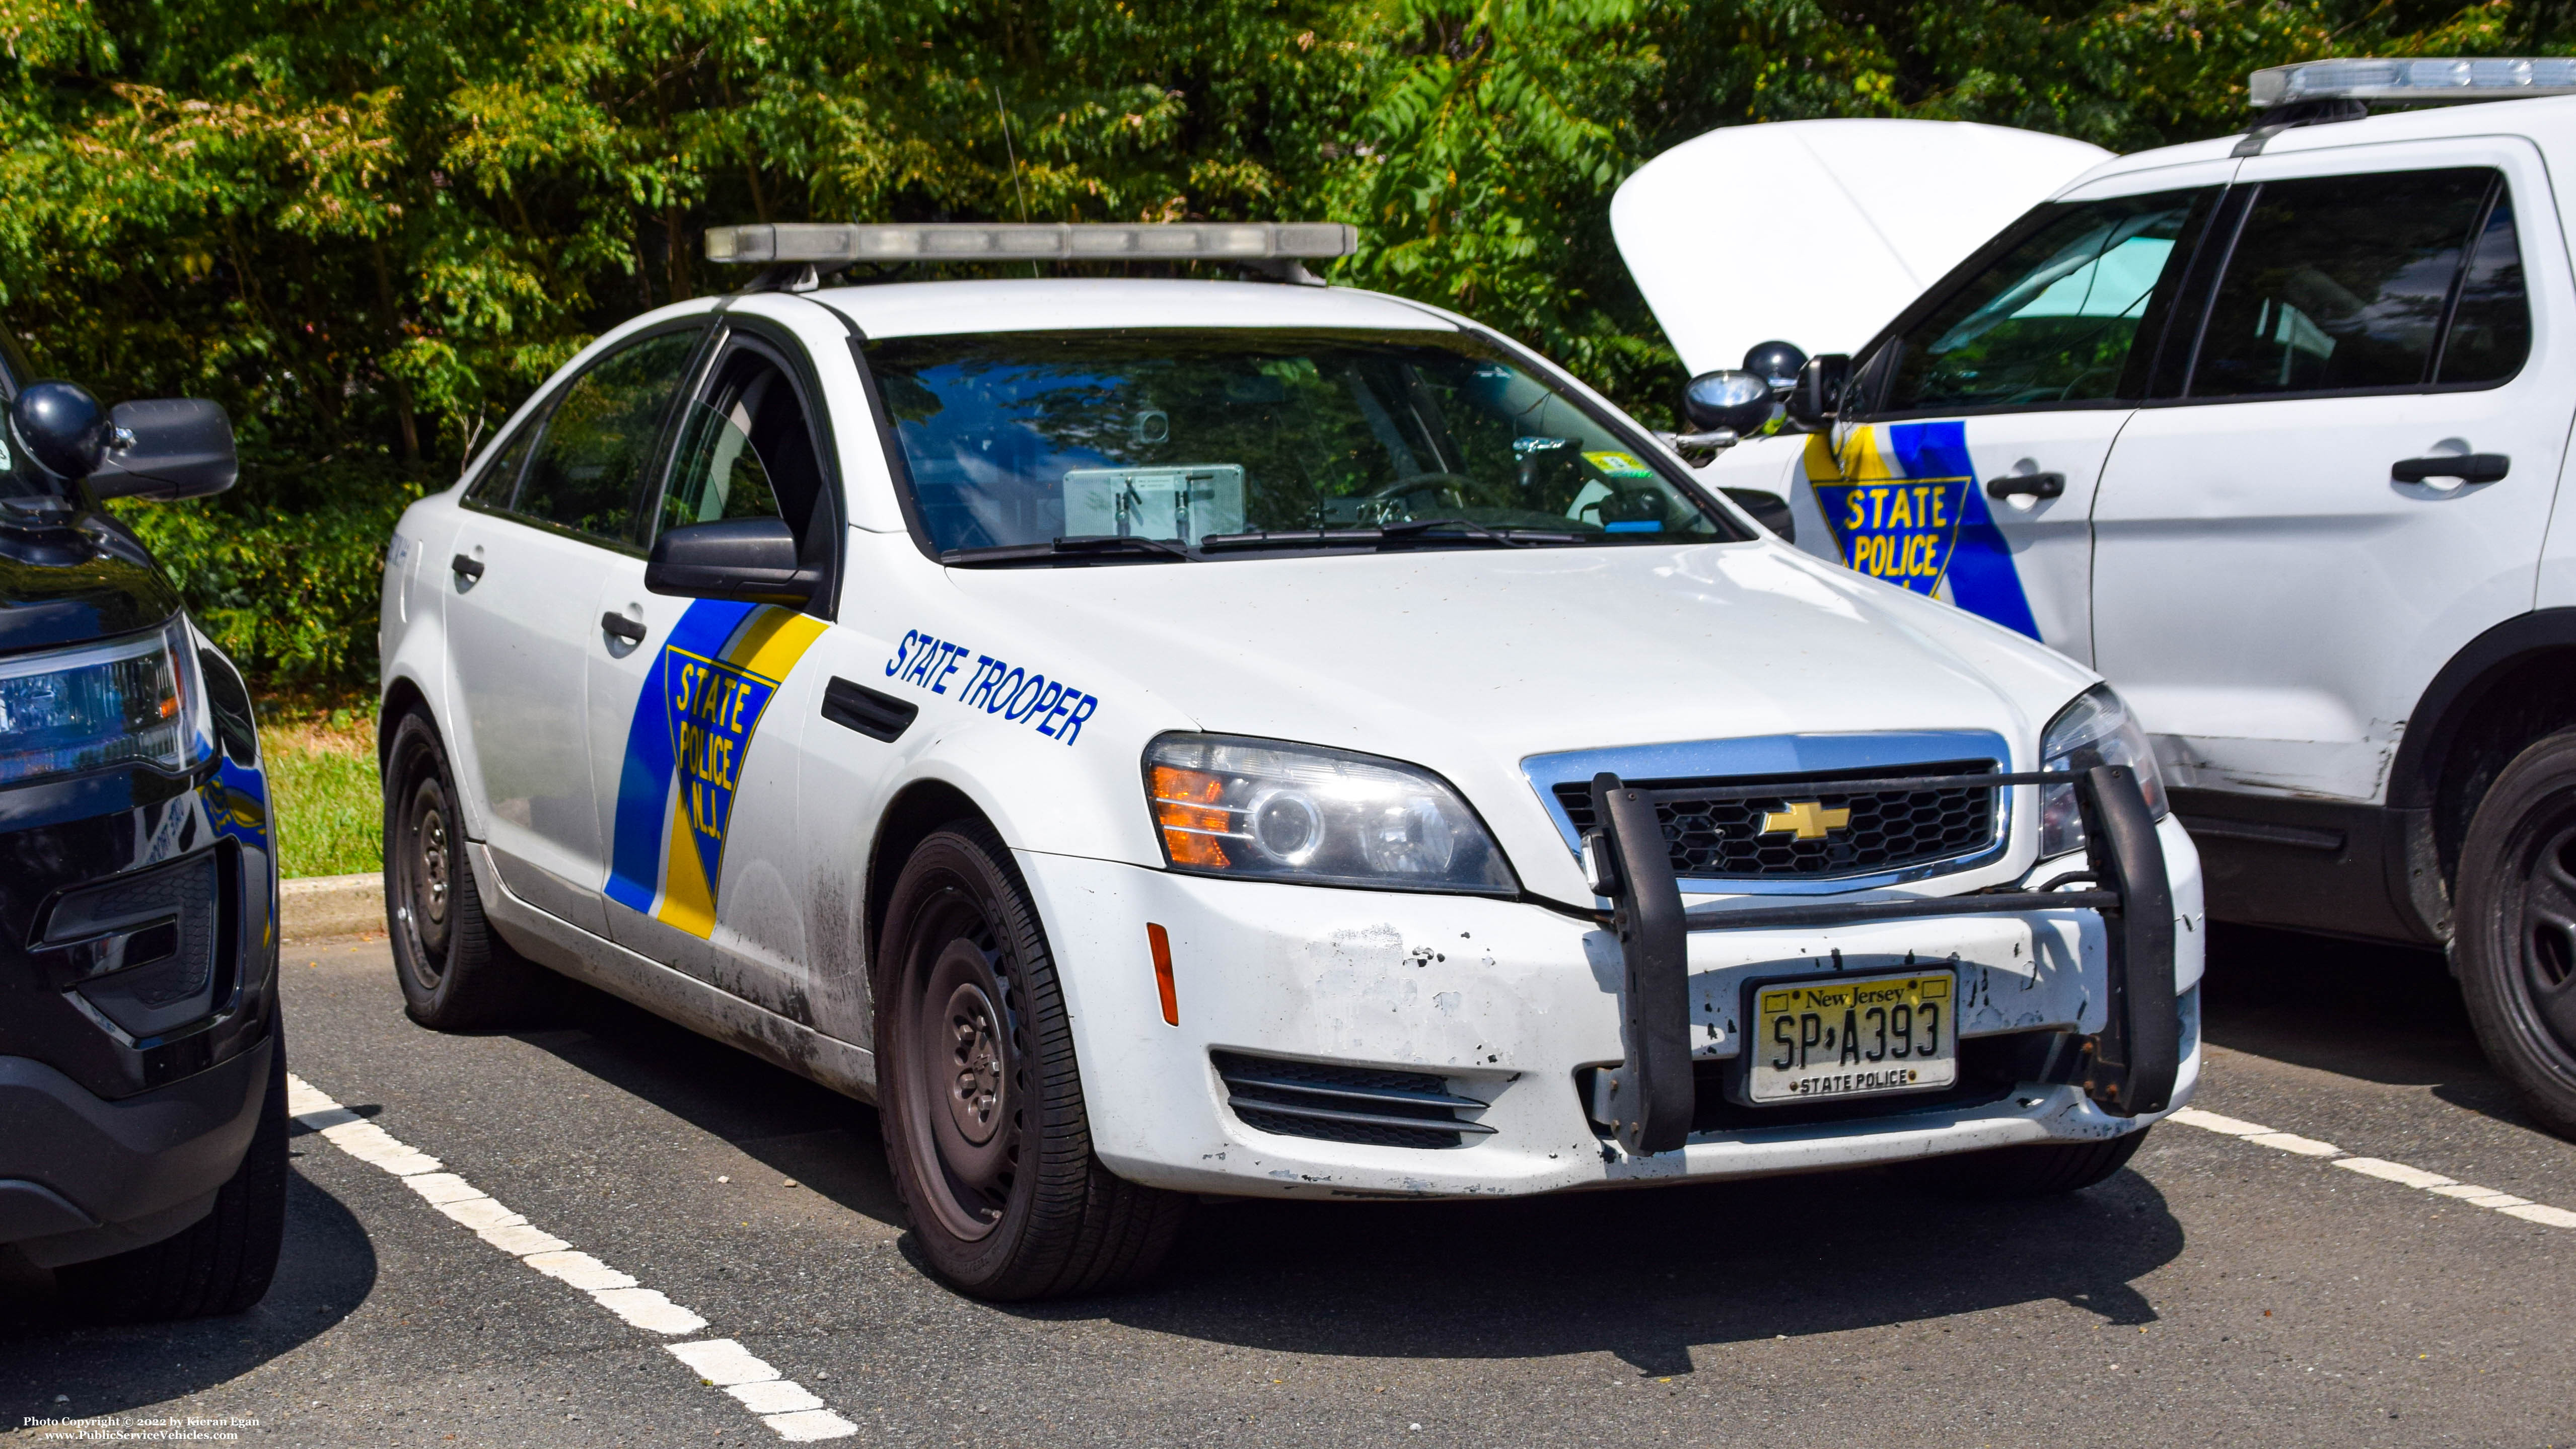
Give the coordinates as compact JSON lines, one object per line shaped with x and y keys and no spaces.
{"x":370,"y":227}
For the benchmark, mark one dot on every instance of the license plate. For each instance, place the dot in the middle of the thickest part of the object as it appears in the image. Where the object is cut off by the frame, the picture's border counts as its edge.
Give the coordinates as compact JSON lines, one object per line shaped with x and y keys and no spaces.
{"x":1863,"y":1037}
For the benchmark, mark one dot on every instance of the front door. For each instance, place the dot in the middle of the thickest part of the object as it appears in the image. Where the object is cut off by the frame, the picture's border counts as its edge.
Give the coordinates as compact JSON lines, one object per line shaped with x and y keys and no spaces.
{"x":1978,"y":428}
{"x":697,"y":706}
{"x":2284,"y":558}
{"x":531,"y":558}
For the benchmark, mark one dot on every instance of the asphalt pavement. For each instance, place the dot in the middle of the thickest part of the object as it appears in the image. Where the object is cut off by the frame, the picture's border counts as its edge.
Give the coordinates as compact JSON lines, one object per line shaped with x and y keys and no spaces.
{"x":2234,"y":1285}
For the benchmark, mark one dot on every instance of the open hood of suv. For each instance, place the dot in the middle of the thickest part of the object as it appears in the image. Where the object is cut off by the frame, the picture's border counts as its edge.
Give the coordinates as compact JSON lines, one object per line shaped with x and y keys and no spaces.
{"x":1818,"y":232}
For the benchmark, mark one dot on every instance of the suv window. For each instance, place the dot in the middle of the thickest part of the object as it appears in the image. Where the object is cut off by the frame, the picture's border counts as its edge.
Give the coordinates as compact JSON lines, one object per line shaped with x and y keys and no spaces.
{"x":2052,"y":319}
{"x":2344,"y":283}
{"x":600,"y":436}
{"x":745,"y":450}
{"x":501,"y":478}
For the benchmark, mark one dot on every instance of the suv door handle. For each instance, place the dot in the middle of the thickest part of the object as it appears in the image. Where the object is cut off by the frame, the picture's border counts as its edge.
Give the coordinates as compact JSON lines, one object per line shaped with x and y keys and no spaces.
{"x":2027,"y":485}
{"x":471,"y":568}
{"x":2467,"y":467}
{"x":624,"y":628}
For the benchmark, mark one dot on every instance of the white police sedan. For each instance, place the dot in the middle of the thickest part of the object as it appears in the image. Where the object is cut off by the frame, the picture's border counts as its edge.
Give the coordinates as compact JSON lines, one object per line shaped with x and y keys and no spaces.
{"x":1161,"y":738}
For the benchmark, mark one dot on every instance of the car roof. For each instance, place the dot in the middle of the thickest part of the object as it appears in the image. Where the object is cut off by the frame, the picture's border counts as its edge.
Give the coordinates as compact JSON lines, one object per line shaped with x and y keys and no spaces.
{"x":2540,"y":117}
{"x":1031,"y":304}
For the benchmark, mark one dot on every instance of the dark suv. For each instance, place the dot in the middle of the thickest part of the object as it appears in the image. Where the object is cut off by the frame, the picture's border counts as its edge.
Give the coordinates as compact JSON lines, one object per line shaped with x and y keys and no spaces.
{"x":142,"y":1072}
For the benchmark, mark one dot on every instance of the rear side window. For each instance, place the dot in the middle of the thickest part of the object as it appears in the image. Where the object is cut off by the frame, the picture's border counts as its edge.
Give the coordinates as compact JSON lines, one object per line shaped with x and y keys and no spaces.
{"x":2348,"y":283}
{"x":500,"y":479}
{"x":2054,"y":318}
{"x":599,"y":439}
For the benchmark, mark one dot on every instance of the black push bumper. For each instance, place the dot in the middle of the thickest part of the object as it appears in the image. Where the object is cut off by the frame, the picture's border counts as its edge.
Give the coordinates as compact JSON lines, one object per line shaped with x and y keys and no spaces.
{"x":2129,"y":1067}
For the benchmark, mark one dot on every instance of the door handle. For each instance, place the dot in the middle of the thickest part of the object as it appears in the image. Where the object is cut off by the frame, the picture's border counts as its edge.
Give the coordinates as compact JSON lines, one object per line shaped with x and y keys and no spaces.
{"x":2467,"y":467}
{"x":471,"y":568}
{"x":624,"y":628}
{"x":2027,"y":485}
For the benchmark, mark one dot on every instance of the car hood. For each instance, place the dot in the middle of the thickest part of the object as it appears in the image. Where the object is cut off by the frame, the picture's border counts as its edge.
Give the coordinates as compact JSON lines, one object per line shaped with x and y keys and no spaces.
{"x":1469,"y":661}
{"x":1819,"y":232}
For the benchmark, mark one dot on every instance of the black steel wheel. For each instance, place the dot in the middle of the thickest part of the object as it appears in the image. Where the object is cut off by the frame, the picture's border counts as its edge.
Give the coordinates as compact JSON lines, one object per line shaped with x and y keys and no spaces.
{"x":2514,"y":944}
{"x":456,"y":973}
{"x":980,"y":1096}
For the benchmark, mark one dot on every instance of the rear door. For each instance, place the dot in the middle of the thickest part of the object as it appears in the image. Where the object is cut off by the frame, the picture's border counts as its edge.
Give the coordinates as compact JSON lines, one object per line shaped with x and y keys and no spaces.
{"x":1967,"y":465}
{"x":2278,"y":572}
{"x":530,"y":559}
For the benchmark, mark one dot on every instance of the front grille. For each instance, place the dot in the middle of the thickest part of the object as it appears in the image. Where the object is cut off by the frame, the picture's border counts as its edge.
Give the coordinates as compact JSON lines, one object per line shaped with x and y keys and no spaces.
{"x":1888,"y":829}
{"x":1346,"y":1104}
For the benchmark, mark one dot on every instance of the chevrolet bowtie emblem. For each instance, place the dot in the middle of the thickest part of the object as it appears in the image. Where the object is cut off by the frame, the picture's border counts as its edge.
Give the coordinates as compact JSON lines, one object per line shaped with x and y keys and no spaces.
{"x":1806,"y":819}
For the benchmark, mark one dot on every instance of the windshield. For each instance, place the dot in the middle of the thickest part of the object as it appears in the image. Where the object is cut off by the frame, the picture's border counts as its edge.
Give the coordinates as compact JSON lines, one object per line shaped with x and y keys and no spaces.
{"x":1022,"y":439}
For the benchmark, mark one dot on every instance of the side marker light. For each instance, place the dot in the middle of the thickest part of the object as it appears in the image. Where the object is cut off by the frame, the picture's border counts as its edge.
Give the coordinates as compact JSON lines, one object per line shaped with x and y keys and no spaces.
{"x":1161,"y":942}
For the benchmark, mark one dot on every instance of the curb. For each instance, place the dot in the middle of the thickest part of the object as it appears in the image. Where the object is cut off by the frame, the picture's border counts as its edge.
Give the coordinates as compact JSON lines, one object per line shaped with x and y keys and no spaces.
{"x":330,"y":905}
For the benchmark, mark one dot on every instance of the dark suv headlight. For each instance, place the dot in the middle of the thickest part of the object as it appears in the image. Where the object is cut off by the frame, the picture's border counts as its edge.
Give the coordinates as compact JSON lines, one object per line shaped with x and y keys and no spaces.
{"x":137,"y":700}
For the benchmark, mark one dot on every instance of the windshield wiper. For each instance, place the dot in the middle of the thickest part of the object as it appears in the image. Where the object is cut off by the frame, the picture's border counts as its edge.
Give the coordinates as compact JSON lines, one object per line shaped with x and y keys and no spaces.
{"x":1063,"y":548}
{"x":1507,"y":537}
{"x":1289,"y":538}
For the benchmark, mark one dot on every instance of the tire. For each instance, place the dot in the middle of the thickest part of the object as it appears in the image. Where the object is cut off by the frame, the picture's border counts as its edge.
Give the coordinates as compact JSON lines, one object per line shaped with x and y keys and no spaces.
{"x":2514,"y":945}
{"x":457,"y":974}
{"x":1006,"y":1199}
{"x":2036,"y":1169}
{"x":220,"y":1264}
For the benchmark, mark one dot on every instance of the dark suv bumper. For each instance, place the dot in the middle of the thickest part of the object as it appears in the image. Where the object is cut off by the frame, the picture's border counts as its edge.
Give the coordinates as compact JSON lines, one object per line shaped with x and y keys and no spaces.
{"x":138,"y":1006}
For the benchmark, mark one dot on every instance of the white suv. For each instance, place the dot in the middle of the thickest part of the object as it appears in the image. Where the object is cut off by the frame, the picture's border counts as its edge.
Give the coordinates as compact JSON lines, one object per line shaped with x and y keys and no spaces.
{"x":2270,"y":430}
{"x":1171,"y":737}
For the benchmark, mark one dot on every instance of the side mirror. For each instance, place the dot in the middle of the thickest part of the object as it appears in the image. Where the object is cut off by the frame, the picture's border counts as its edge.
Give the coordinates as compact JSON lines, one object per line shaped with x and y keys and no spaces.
{"x":750,"y":559}
{"x":1737,"y":401}
{"x":1818,"y":396}
{"x":62,"y":427}
{"x":182,"y":448}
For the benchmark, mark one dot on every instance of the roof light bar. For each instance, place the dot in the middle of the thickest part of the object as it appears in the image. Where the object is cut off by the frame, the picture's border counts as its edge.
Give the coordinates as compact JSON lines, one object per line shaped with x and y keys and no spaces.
{"x":828,"y":243}
{"x":2490,"y":78}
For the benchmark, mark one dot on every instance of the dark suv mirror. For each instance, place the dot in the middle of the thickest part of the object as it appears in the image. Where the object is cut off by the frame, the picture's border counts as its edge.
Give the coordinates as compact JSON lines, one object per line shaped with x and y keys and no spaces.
{"x":1819,"y":393}
{"x":1737,"y":401}
{"x":182,"y":448}
{"x":750,"y":559}
{"x":62,"y":427}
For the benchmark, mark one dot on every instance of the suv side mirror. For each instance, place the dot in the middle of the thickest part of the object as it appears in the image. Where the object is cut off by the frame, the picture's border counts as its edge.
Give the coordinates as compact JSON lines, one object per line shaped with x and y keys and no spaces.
{"x":182,"y":448}
{"x":1737,"y":401}
{"x":1819,"y":393}
{"x":750,"y":559}
{"x":62,"y":427}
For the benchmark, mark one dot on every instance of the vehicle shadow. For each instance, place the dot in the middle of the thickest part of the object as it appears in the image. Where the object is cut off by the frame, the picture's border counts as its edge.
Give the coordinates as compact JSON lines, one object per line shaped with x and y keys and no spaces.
{"x":2386,"y":1014}
{"x":825,"y":1141}
{"x":54,"y":1365}
{"x":1646,"y":1275}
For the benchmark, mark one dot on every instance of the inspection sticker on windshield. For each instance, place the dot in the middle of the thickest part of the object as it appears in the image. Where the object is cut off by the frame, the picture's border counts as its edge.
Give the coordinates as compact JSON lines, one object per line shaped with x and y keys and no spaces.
{"x":1815,"y":1040}
{"x":1618,"y":465}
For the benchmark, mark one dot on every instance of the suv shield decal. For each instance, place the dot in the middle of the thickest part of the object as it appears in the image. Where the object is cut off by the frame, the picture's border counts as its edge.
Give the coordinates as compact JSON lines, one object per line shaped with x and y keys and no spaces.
{"x":1904,"y":507}
{"x":685,"y":747}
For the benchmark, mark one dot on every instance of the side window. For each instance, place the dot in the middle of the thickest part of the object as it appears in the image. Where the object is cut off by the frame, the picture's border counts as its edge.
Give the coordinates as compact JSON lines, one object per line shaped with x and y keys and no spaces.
{"x":2491,"y":323}
{"x":500,"y":478}
{"x":745,"y":450}
{"x":2343,"y":283}
{"x":600,"y":436}
{"x":2052,"y":320}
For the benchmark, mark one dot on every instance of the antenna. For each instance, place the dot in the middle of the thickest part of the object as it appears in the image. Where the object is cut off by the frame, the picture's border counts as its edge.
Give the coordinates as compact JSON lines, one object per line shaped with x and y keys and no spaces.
{"x":1008,"y":149}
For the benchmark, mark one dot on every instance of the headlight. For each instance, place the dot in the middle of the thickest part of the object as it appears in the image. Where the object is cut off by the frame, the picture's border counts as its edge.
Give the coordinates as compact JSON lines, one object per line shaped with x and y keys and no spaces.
{"x":1262,"y":810}
{"x":131,"y":701}
{"x":2097,"y":729}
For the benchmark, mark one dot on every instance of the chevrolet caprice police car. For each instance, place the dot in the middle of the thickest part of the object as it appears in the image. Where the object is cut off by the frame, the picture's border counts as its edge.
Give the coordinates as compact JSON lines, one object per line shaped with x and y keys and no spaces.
{"x":1169,"y":738}
{"x":2271,"y":430}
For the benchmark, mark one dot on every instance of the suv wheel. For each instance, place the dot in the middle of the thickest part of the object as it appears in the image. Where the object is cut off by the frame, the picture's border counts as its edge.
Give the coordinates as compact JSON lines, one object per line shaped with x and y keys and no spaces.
{"x":978,"y":1093}
{"x":2035,"y":1169}
{"x":2515,"y":942}
{"x":223,"y":1262}
{"x":457,"y":974}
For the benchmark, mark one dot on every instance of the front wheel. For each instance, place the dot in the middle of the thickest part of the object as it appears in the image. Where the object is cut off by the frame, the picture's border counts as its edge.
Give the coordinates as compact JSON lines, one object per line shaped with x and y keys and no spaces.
{"x":979,"y":1094}
{"x":2515,"y":942}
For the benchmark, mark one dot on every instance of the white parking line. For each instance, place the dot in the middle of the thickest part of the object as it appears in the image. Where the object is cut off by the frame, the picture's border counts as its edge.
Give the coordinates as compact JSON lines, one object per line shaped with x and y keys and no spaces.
{"x":783,"y":1404}
{"x":2396,"y":1172}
